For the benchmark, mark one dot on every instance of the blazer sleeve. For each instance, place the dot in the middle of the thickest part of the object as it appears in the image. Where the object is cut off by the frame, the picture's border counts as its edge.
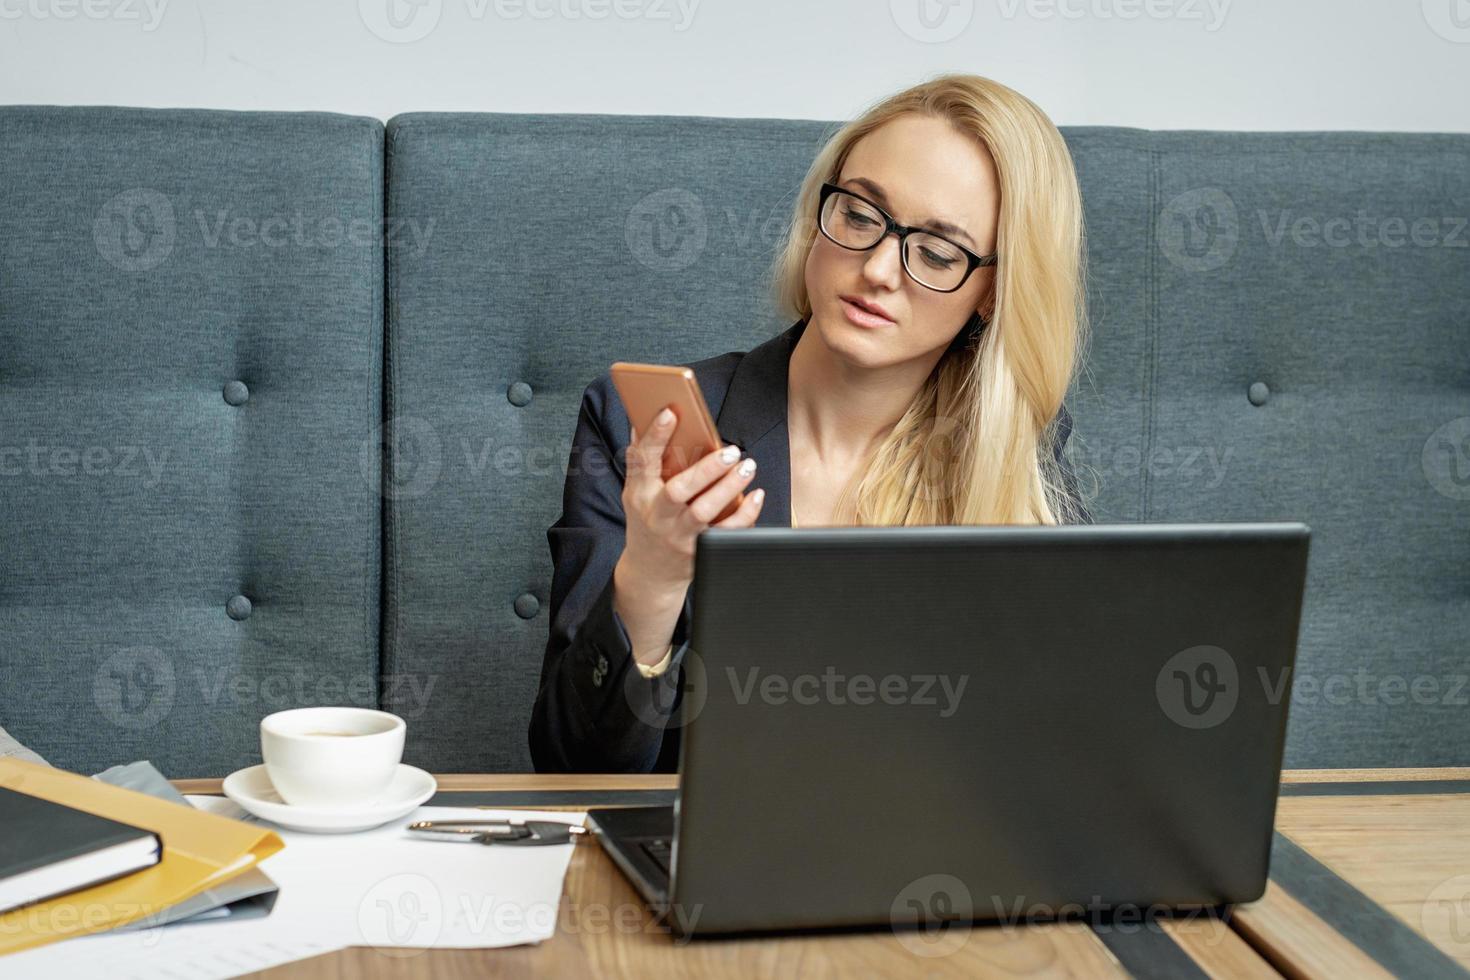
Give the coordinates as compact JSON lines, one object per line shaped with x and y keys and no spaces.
{"x":595,"y":711}
{"x":1077,"y":511}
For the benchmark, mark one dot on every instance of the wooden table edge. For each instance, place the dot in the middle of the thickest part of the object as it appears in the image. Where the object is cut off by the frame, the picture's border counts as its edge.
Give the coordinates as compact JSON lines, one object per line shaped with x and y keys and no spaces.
{"x":489,"y":782}
{"x":1259,"y":942}
{"x":1401,"y":775}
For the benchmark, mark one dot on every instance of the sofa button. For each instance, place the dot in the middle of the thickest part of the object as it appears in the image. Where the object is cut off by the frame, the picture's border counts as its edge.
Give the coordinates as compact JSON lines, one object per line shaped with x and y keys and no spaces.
{"x":238,"y":608}
{"x":527,"y":605}
{"x":236,"y":393}
{"x":1259,"y":393}
{"x":519,"y":394}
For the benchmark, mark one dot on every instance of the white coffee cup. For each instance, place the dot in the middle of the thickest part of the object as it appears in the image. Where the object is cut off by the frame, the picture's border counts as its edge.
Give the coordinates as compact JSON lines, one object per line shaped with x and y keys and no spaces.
{"x":331,"y":757}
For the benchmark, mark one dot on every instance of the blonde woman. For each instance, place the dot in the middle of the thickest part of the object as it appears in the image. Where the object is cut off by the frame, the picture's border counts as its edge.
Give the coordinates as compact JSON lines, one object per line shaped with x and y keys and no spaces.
{"x":934,"y":262}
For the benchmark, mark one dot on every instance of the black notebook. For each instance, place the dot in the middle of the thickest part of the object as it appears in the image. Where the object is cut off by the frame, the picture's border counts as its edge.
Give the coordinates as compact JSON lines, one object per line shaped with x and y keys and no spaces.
{"x":47,"y":849}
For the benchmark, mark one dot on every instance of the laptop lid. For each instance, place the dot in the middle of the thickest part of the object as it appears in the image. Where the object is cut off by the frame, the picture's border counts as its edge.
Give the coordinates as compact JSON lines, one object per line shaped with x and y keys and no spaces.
{"x":893,"y":725}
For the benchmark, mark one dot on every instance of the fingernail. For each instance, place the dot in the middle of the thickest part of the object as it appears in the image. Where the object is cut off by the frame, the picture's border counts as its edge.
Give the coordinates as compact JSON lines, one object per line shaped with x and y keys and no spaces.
{"x":665,"y":417}
{"x":759,"y":495}
{"x":729,"y":454}
{"x":747,"y":467}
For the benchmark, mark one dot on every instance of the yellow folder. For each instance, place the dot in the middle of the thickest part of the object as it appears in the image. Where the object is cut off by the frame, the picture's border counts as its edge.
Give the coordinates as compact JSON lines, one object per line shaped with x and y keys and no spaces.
{"x":200,"y":850}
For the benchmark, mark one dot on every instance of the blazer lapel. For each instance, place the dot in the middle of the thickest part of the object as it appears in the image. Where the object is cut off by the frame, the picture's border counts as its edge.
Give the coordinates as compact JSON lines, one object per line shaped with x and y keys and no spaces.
{"x":753,"y":417}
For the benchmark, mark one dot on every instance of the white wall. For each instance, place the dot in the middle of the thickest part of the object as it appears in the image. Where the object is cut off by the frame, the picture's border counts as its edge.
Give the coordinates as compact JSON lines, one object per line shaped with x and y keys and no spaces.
{"x":1169,"y":64}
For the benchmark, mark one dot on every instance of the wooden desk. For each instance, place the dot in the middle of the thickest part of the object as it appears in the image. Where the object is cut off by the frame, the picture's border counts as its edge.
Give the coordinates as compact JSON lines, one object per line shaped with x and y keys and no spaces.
{"x":1372,"y":867}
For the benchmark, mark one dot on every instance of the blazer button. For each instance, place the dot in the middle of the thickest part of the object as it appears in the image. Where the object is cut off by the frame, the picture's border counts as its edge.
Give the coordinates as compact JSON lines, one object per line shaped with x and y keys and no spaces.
{"x":238,"y":608}
{"x":519,"y":394}
{"x":1259,"y":393}
{"x":527,"y":605}
{"x":236,"y":393}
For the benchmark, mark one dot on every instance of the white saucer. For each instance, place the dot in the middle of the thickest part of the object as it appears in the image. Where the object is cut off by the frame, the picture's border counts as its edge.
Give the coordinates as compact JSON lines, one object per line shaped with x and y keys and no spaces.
{"x":251,"y":788}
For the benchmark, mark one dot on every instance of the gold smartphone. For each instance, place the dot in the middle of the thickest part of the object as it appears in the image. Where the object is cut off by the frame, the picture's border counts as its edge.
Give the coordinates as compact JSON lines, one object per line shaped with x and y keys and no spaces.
{"x":646,"y":389}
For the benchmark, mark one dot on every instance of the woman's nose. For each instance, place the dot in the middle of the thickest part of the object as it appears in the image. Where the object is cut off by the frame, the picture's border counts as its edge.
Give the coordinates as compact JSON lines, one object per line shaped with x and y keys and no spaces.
{"x":884,"y":264}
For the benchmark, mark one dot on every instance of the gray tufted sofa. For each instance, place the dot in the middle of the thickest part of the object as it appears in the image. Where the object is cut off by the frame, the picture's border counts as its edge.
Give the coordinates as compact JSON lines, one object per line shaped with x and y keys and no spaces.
{"x":286,"y":400}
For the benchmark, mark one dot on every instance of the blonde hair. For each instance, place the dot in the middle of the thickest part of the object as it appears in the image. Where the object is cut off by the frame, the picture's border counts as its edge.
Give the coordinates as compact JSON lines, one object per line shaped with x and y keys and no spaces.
{"x":977,"y":444}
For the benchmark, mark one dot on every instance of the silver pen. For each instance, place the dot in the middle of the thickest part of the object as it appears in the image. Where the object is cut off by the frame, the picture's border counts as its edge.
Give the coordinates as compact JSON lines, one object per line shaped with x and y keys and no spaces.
{"x":524,"y":833}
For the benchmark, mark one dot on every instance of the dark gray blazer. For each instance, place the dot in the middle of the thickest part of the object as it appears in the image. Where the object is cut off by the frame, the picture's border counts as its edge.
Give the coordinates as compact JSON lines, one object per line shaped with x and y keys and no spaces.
{"x":595,"y":712}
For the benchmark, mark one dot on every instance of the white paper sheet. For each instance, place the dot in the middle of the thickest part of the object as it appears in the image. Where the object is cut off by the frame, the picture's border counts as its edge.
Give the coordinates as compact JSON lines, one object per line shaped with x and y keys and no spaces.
{"x":383,"y":887}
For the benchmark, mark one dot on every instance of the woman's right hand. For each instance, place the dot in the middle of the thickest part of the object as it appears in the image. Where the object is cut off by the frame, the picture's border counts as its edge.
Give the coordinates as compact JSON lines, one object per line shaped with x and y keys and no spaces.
{"x":664,"y":517}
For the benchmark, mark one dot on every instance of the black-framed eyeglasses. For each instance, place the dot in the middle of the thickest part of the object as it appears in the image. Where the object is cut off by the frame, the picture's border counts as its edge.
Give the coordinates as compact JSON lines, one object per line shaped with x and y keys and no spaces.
{"x":930,"y":259}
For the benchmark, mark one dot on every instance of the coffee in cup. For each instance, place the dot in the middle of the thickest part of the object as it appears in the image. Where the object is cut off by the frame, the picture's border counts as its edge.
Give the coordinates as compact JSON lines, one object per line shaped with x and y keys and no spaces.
{"x":331,"y":757}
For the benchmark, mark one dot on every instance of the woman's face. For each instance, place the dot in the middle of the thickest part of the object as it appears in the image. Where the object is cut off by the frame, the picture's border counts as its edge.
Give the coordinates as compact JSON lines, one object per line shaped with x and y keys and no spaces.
{"x":922,"y":171}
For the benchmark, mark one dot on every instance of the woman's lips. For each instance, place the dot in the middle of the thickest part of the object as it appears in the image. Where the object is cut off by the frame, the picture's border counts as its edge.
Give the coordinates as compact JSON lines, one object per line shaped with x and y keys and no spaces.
{"x":860,"y":317}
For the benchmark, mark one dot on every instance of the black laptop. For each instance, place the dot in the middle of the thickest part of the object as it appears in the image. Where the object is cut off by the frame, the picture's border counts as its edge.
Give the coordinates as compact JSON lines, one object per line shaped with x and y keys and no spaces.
{"x":889,"y":726}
